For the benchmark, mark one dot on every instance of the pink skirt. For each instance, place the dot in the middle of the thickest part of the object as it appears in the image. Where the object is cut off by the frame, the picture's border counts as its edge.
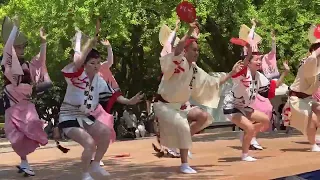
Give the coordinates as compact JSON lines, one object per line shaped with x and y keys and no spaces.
{"x":24,"y":129}
{"x":264,"y":105}
{"x":101,"y":115}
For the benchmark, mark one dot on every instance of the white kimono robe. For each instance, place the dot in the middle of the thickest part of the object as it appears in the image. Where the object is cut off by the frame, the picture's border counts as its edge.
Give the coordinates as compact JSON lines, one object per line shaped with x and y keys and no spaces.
{"x":244,"y":91}
{"x":307,"y":81}
{"x":81,"y":102}
{"x":180,"y":82}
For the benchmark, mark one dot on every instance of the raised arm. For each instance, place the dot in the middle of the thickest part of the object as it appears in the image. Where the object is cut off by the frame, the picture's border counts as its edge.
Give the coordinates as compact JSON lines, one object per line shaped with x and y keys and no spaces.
{"x":134,"y":100}
{"x":109,"y":61}
{"x":284,"y":74}
{"x":273,"y":43}
{"x":167,"y":48}
{"x":87,"y":48}
{"x":10,"y":60}
{"x":41,"y":60}
{"x":180,"y":47}
{"x":317,"y":52}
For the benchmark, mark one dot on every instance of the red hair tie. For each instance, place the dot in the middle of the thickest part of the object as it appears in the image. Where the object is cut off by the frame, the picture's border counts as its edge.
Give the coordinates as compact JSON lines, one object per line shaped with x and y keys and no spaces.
{"x":189,"y":42}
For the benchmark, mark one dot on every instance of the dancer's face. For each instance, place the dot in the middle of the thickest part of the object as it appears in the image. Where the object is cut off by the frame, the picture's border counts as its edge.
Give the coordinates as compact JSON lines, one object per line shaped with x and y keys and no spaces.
{"x":255,"y":63}
{"x":192,"y":52}
{"x":19,"y":50}
{"x":92,"y":66}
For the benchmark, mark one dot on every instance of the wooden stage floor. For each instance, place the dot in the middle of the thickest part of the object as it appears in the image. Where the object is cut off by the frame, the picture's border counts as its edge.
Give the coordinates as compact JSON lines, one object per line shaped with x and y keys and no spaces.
{"x":215,"y":156}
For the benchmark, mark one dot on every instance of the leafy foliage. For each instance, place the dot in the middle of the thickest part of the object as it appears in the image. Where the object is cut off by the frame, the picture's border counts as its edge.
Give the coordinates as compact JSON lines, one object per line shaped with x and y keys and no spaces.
{"x":133,"y":26}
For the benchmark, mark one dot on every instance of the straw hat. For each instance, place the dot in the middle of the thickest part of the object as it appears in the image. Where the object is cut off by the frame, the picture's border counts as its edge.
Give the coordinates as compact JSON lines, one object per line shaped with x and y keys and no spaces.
{"x":244,"y":33}
{"x":84,"y":39}
{"x":7,"y":26}
{"x":164,"y":34}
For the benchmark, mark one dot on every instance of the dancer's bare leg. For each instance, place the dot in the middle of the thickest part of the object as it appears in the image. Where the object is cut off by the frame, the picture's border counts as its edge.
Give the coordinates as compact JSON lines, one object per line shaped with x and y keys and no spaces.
{"x":313,"y":124}
{"x":249,"y":129}
{"x":185,"y":168}
{"x":197,"y":118}
{"x":101,"y":134}
{"x":80,"y":136}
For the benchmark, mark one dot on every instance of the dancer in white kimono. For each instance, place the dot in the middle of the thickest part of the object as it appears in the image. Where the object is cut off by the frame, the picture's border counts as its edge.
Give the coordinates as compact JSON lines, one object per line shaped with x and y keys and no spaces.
{"x":183,"y":79}
{"x":169,"y":40}
{"x":302,"y":111}
{"x":246,"y":85}
{"x":269,"y":69}
{"x":82,"y":118}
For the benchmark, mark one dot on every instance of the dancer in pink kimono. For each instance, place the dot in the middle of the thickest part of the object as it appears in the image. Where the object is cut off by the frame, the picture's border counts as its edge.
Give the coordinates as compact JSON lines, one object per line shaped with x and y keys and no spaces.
{"x":23,"y":126}
{"x":82,"y":118}
{"x":105,"y":71}
{"x":270,"y":70}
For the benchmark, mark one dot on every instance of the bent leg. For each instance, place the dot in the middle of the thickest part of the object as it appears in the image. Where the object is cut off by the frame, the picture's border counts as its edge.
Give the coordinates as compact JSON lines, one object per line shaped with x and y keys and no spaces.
{"x":197,"y":118}
{"x":248,"y":128}
{"x":80,"y":136}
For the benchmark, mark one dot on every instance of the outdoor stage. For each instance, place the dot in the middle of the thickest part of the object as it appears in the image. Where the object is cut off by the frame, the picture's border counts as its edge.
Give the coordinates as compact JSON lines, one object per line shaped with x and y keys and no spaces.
{"x":215,"y":156}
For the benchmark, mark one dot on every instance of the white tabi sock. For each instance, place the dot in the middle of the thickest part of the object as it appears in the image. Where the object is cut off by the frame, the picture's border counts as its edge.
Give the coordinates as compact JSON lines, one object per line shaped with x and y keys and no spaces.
{"x":246,"y":157}
{"x":185,"y":168}
{"x":318,"y":139}
{"x":24,"y":164}
{"x":241,"y":136}
{"x":96,"y":168}
{"x":315,"y":148}
{"x":254,"y":141}
{"x":190,"y":154}
{"x":86,"y":176}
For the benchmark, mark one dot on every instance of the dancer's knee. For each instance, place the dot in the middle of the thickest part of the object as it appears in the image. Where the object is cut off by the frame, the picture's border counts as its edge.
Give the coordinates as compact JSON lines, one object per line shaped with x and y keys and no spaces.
{"x":90,"y":145}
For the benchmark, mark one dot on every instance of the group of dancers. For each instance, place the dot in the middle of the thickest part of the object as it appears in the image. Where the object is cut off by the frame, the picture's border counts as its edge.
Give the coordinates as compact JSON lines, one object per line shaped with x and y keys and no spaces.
{"x":85,"y":113}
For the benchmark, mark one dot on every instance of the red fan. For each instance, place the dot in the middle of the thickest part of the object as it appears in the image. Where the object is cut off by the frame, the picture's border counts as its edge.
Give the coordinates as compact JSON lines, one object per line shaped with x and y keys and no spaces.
{"x":186,"y":12}
{"x":238,"y":41}
{"x":317,"y":31}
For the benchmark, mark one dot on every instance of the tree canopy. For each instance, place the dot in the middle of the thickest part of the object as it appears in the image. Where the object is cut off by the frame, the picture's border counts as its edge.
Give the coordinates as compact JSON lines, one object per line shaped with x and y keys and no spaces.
{"x":132,"y":27}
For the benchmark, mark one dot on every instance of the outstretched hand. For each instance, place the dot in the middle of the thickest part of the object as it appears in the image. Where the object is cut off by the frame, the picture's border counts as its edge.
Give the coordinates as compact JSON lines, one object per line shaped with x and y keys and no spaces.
{"x":286,"y":66}
{"x":237,"y":67}
{"x":16,"y":20}
{"x":105,"y":42}
{"x":254,"y":22}
{"x":136,"y":99}
{"x":273,"y":35}
{"x":98,"y":26}
{"x":43,"y":34}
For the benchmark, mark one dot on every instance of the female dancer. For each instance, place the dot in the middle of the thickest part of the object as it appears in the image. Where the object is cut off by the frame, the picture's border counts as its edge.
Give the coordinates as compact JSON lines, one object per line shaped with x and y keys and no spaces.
{"x":246,"y":84}
{"x":104,"y":72}
{"x":23,"y":126}
{"x":270,"y":70}
{"x":82,"y":118}
{"x":304,"y":110}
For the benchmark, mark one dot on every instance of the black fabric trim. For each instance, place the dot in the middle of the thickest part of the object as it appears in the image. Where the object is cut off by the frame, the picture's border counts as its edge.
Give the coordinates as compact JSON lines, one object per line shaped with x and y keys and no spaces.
{"x":68,"y":124}
{"x":232,"y":111}
{"x":73,"y":123}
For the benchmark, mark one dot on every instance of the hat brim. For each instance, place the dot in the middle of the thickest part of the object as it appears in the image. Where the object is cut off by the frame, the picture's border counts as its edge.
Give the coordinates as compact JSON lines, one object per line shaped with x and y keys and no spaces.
{"x":6,"y":29}
{"x":84,"y":39}
{"x":164,"y":34}
{"x":244,"y":33}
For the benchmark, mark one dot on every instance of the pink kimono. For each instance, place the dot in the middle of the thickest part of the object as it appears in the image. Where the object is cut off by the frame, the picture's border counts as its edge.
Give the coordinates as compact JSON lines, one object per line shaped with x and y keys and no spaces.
{"x":269,"y":64}
{"x":105,"y":72}
{"x":23,"y":127}
{"x":264,"y":105}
